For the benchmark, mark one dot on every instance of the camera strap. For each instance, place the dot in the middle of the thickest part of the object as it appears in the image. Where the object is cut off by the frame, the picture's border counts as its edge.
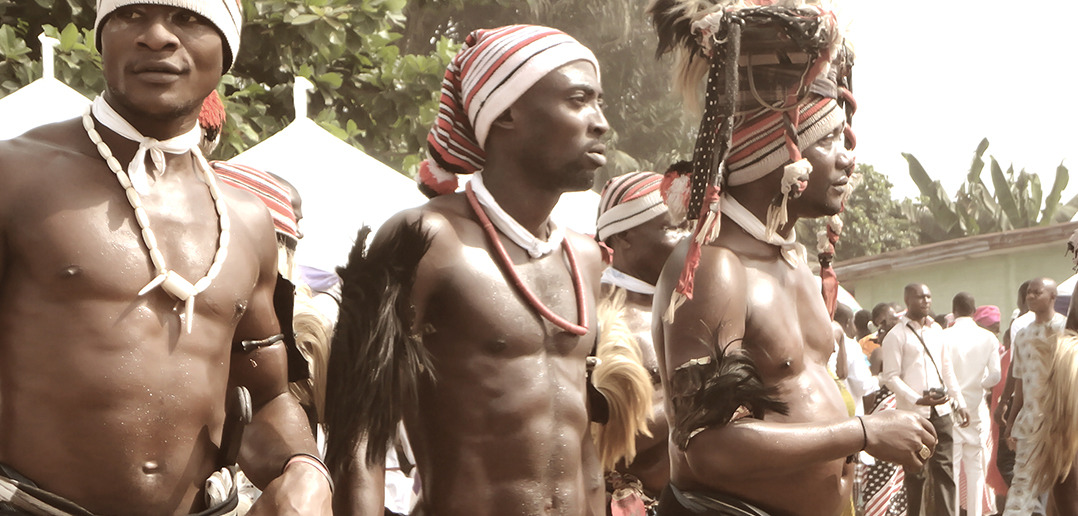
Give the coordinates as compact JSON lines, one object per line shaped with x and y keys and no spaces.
{"x":927,"y":352}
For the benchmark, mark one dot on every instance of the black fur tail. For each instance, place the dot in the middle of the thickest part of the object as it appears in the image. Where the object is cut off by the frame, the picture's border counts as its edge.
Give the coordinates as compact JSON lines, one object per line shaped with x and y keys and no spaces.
{"x":376,"y":360}
{"x":673,"y":23}
{"x":707,"y":392}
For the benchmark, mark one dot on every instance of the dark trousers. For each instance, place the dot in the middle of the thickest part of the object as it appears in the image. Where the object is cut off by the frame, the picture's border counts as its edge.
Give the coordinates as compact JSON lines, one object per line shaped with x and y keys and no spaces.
{"x":936,"y":480}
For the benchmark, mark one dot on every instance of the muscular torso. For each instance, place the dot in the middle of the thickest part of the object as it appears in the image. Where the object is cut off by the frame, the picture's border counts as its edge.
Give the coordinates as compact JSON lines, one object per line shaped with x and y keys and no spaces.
{"x":503,"y":429}
{"x":787,"y":332}
{"x":104,"y":399}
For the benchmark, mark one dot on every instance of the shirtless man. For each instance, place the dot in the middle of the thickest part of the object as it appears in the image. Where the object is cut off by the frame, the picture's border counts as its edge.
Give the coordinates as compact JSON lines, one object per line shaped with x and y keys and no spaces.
{"x":500,"y":427}
{"x":778,"y":439}
{"x":115,"y":399}
{"x":634,"y":223}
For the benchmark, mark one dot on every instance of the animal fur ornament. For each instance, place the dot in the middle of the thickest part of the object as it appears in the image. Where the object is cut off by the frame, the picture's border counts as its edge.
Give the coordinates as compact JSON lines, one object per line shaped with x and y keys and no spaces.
{"x":622,"y":379}
{"x":377,"y":361}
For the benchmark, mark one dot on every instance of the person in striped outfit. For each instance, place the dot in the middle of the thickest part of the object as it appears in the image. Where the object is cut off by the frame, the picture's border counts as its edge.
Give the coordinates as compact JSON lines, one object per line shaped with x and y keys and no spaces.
{"x":634,"y":223}
{"x":496,"y":309}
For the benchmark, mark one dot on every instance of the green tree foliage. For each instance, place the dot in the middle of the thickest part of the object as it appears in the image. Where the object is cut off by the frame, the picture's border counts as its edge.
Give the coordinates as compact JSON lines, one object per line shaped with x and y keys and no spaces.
{"x":368,"y":92}
{"x":649,"y":131}
{"x":873,"y":222}
{"x":1014,"y":201}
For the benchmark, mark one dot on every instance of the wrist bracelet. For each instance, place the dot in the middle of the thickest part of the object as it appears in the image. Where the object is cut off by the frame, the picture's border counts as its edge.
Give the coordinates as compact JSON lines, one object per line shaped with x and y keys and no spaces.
{"x":864,"y":433}
{"x":307,"y":458}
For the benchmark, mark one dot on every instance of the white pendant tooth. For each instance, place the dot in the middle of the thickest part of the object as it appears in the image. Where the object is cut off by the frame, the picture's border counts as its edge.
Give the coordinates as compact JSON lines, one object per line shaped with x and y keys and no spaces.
{"x":189,"y":313}
{"x":152,"y":284}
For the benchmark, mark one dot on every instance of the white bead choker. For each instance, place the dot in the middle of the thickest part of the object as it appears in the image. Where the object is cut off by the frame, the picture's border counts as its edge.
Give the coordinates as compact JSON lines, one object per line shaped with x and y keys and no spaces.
{"x":169,"y":280}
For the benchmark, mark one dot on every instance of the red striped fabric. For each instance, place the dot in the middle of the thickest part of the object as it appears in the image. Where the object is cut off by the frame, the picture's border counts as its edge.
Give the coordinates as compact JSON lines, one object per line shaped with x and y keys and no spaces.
{"x":276,"y":197}
{"x":493,"y":68}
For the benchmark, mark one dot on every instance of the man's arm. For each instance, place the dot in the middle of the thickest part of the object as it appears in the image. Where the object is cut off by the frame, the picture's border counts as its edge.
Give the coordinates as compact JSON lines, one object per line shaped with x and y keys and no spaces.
{"x":891,"y":374}
{"x":992,"y":373}
{"x":716,"y":317}
{"x":842,"y":366}
{"x":953,"y":387}
{"x":279,"y":429}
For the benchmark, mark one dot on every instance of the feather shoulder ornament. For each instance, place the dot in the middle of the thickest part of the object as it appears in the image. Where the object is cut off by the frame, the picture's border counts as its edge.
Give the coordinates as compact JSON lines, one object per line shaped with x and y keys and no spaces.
{"x":377,"y":360}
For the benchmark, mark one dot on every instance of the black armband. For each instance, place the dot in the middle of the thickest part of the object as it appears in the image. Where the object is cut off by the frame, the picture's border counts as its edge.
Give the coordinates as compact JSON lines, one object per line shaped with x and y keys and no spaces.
{"x":248,"y":346}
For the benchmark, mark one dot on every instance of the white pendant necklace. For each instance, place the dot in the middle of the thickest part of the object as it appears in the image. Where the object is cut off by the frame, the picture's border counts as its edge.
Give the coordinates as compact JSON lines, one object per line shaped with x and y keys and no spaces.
{"x":175,"y":285}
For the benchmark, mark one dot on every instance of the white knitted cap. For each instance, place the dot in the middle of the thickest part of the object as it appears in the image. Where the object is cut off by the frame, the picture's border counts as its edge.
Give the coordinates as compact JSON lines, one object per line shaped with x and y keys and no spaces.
{"x":226,"y":15}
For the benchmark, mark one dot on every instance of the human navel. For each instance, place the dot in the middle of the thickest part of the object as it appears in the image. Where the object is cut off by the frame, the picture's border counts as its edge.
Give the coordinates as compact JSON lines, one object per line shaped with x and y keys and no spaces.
{"x":150,"y":467}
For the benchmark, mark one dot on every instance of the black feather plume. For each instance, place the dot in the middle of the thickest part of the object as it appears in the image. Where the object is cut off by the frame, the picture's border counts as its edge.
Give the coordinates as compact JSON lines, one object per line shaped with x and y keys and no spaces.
{"x":707,"y":392}
{"x":376,"y":360}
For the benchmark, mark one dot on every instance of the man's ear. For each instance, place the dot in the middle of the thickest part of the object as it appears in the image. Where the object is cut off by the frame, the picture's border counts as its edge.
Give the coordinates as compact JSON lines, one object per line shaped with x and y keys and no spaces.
{"x":504,"y":120}
{"x":618,"y":242}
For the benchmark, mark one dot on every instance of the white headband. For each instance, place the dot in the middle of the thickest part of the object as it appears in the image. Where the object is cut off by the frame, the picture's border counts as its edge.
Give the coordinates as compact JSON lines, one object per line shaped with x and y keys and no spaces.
{"x":226,"y":15}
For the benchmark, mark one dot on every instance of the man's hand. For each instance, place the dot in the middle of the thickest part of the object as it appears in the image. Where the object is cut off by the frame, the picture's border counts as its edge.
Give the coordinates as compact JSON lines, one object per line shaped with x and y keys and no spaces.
{"x":898,"y":436}
{"x":301,"y":490}
{"x":963,"y":417}
{"x":1001,"y":413}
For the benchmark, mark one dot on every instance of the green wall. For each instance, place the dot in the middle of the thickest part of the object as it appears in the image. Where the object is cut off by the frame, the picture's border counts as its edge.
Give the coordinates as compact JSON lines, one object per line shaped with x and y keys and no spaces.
{"x":991,"y":279}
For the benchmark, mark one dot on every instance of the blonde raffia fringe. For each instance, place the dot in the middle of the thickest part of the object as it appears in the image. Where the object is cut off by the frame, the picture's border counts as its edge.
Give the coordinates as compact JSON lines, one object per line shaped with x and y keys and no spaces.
{"x":1056,"y":441}
{"x":622,"y":379}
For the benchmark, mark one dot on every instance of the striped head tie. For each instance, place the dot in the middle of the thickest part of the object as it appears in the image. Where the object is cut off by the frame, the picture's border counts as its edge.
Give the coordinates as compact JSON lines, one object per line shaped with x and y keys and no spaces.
{"x":758,"y":146}
{"x":492,"y":70}
{"x":628,"y":201}
{"x":276,"y":196}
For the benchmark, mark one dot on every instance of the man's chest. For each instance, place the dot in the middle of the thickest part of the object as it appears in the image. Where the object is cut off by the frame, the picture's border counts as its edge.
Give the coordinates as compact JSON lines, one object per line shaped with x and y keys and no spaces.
{"x":784,"y":308}
{"x":85,"y":241}
{"x":480,"y":301}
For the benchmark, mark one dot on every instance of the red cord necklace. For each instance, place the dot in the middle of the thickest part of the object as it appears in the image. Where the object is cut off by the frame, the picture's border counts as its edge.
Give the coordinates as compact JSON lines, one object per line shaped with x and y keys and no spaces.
{"x":507,"y":267}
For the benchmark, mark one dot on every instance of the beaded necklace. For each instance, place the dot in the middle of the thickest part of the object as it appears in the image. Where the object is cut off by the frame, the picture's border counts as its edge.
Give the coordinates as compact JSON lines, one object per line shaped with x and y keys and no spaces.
{"x":533,"y":300}
{"x":169,"y":280}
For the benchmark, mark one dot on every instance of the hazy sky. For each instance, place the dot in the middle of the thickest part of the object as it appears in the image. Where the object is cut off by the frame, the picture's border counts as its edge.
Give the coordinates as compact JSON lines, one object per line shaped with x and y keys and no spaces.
{"x":933,"y":78}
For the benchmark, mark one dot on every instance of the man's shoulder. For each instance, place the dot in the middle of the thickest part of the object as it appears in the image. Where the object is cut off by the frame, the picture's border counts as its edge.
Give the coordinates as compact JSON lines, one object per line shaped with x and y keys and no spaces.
{"x":442,"y":220}
{"x":42,"y":142}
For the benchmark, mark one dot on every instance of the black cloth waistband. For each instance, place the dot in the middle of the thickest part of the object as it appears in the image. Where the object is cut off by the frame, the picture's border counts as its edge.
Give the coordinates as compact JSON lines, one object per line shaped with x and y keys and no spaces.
{"x":26,"y":495}
{"x":675,"y":502}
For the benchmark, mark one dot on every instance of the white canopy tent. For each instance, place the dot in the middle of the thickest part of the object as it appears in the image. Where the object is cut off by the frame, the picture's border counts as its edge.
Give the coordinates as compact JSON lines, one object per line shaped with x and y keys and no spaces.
{"x":342,"y":187}
{"x":41,"y":102}
{"x":577,"y":211}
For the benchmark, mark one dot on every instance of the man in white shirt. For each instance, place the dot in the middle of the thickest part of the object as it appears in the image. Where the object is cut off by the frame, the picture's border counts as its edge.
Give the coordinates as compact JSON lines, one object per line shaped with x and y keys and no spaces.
{"x":917,"y":367}
{"x":975,"y":359}
{"x":1032,"y":353}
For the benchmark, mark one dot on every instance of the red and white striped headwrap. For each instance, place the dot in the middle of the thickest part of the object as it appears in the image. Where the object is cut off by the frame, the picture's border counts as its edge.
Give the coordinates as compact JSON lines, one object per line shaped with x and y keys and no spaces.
{"x":491,"y":71}
{"x":276,"y":197}
{"x":758,"y":146}
{"x":628,"y":201}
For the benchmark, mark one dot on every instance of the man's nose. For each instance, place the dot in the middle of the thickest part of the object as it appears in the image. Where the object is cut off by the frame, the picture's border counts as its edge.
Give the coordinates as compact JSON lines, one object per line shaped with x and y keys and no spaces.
{"x":599,"y":124}
{"x":158,"y":34}
{"x":845,"y":161}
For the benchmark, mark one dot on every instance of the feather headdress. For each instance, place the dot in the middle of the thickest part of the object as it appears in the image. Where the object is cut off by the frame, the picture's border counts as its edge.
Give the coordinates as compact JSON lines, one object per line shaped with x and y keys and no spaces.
{"x":772,"y":72}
